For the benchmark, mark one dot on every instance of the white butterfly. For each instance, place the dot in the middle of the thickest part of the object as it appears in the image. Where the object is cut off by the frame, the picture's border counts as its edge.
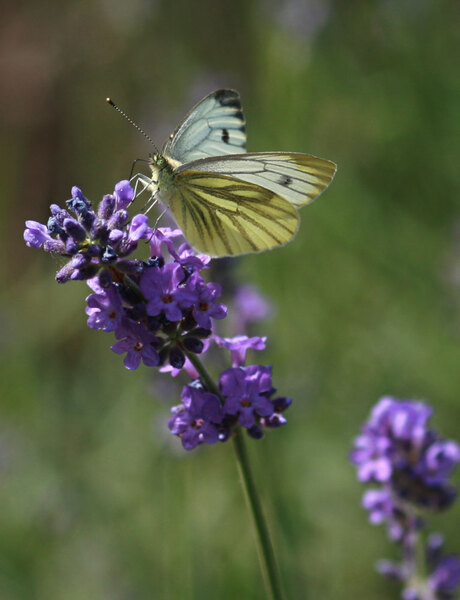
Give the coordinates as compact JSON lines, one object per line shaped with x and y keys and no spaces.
{"x":227,"y":202}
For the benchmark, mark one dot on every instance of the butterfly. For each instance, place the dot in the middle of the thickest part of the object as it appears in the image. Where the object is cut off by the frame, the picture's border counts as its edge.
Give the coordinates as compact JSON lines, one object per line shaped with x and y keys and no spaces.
{"x":225,"y":201}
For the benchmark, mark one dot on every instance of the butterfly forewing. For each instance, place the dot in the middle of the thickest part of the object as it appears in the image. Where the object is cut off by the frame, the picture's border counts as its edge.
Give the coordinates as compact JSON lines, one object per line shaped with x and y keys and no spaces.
{"x":222,"y":216}
{"x":227,"y":202}
{"x":214,"y":127}
{"x":299,"y":178}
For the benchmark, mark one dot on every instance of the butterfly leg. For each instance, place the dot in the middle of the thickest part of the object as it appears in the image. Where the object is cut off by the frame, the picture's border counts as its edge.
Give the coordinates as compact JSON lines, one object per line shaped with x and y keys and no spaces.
{"x":136,"y":160}
{"x":147,"y":184}
{"x":136,"y":185}
{"x":158,"y":218}
{"x":156,"y":223}
{"x":150,"y":203}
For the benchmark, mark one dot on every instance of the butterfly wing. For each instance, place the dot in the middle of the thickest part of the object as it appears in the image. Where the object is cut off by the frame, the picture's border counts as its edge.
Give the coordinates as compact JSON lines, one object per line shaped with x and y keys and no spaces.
{"x":214,"y":127}
{"x":222,"y":216}
{"x":299,"y":178}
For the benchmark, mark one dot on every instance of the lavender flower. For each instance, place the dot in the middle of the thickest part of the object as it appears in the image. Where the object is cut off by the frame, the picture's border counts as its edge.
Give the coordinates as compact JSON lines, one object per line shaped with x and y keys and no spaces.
{"x":239,"y":345}
{"x":138,"y":344}
{"x":160,"y":287}
{"x":162,"y":313}
{"x":36,"y":235}
{"x":95,"y":243}
{"x":249,"y":307}
{"x":412,"y":464}
{"x":195,"y":421}
{"x":105,"y":309}
{"x":245,"y":392}
{"x":445,"y":578}
{"x":397,"y":447}
{"x":205,"y":306}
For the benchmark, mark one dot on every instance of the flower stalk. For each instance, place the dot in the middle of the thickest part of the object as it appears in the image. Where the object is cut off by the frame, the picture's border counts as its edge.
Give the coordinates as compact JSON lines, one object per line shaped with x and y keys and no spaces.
{"x":265,"y":546}
{"x":264,"y":543}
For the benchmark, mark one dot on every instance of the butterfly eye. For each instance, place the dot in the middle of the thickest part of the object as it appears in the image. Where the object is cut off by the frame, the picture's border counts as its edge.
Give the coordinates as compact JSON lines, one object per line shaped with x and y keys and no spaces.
{"x":159,"y":161}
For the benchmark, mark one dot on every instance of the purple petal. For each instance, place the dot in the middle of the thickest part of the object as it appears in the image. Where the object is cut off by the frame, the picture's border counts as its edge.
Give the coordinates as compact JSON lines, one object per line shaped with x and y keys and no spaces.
{"x":132,"y":360}
{"x":124,"y":194}
{"x":139,"y":228}
{"x":36,"y":234}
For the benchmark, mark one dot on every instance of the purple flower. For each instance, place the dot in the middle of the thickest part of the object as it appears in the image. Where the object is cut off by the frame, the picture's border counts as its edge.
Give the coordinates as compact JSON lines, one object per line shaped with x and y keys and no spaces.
{"x":250,"y":307}
{"x":239,"y":345}
{"x":36,"y":234}
{"x":123,"y":194}
{"x":160,"y":310}
{"x":91,"y":239}
{"x":105,"y":310}
{"x":160,"y":288}
{"x":397,"y":446}
{"x":205,"y":306}
{"x":139,"y":228}
{"x":195,"y":421}
{"x":138,"y":343}
{"x":369,"y":454}
{"x":244,"y":390}
{"x":186,"y":257}
{"x":382,"y":509}
{"x":439,"y":460}
{"x":399,"y":450}
{"x":445,"y":579}
{"x":379,"y":504}
{"x":404,"y":420}
{"x":164,"y":236}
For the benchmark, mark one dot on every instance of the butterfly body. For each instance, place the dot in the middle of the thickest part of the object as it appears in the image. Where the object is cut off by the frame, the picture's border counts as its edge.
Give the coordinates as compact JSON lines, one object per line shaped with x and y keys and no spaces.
{"x":225,"y":201}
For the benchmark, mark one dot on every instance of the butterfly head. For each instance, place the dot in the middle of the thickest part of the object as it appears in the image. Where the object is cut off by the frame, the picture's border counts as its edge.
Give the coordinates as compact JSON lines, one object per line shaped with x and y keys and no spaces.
{"x":158,"y":164}
{"x":158,"y":161}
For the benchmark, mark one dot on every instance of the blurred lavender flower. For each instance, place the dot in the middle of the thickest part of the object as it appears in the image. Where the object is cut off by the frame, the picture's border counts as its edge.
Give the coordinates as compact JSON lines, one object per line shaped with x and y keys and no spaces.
{"x":249,"y":307}
{"x":444,"y":580}
{"x":397,"y":447}
{"x":412,"y":464}
{"x":301,"y":18}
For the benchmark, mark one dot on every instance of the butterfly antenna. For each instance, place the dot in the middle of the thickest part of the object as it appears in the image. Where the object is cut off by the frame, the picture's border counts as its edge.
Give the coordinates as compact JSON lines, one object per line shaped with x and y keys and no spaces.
{"x":112,"y":103}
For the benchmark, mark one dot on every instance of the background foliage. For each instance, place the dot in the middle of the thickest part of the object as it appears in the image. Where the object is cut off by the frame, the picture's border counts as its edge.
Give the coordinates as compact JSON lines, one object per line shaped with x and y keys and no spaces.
{"x":96,"y":500}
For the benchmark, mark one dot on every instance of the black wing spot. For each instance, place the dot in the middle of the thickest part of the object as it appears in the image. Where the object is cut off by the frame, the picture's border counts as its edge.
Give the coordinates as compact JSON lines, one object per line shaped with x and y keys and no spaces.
{"x":232,"y":102}
{"x":285,"y":180}
{"x":225,"y":137}
{"x":228,"y":98}
{"x":219,"y":94}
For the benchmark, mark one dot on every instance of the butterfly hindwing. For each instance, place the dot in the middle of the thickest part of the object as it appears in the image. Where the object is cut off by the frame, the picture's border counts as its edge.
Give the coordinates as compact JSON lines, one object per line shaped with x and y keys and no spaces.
{"x":222,"y":216}
{"x":214,"y":127}
{"x":299,"y":178}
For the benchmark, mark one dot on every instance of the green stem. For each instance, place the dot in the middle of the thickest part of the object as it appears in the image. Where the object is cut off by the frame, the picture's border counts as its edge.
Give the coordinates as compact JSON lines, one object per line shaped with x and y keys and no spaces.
{"x":264,"y":543}
{"x":203,"y":373}
{"x":266,"y":552}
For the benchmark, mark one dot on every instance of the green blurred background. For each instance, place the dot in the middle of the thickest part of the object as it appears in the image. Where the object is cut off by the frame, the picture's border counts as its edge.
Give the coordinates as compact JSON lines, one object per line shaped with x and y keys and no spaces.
{"x":97,"y":500}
